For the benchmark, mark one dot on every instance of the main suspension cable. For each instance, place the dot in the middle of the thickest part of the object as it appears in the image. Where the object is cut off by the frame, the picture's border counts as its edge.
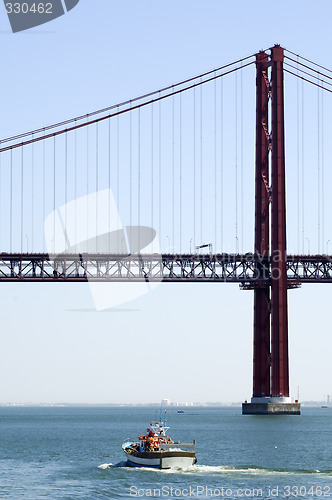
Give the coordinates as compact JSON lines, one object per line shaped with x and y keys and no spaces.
{"x":102,"y":118}
{"x":139,"y":98}
{"x":302,"y":78}
{"x":309,"y":74}
{"x":308,"y":60}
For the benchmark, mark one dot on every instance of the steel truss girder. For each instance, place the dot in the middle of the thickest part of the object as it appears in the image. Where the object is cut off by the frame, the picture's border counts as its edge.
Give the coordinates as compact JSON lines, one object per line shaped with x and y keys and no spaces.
{"x":249,"y":270}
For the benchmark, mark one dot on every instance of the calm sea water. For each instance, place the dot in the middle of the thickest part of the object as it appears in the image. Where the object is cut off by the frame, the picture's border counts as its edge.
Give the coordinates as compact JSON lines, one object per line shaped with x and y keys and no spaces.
{"x":75,"y":453}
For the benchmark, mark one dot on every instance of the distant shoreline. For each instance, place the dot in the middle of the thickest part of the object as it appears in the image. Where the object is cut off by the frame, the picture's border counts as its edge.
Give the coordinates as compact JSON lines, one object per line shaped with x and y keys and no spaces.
{"x":142,"y":405}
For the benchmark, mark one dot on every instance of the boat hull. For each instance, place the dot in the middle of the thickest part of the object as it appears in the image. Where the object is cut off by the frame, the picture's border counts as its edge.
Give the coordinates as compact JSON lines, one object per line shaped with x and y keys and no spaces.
{"x":161,"y":459}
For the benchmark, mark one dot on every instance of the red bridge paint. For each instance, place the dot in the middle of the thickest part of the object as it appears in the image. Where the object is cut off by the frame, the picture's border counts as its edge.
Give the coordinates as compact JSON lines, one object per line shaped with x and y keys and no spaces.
{"x":270,"y":363}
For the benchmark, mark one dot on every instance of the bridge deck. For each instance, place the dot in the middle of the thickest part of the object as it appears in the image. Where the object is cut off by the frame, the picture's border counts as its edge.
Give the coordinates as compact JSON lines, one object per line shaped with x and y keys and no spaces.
{"x":250,"y":270}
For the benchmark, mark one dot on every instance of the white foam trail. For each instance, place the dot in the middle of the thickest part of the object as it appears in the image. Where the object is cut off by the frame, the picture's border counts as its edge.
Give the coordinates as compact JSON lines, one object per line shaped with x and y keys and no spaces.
{"x":216,"y":469}
{"x":104,"y":466}
{"x":222,"y":469}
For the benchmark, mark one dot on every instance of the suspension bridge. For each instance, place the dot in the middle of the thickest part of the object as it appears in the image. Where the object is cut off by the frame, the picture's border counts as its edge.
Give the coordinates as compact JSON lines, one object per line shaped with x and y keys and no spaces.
{"x":137,"y":192}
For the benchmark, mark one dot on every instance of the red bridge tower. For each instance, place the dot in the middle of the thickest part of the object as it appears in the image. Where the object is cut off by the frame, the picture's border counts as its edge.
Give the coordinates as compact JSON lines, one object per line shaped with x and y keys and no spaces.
{"x":270,"y":364}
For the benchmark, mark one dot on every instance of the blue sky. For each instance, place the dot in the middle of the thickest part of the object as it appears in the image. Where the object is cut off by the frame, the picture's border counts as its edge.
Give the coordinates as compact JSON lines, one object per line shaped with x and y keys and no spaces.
{"x":54,"y":346}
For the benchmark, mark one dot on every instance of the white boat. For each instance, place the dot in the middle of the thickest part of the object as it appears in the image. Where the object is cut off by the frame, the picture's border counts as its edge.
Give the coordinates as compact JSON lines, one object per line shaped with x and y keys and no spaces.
{"x":158,"y":450}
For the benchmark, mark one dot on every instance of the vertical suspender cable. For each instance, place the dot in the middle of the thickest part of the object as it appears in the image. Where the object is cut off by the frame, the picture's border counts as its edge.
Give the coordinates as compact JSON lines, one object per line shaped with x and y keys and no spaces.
{"x":22,"y":194}
{"x":118,"y":242}
{"x":32,"y":192}
{"x":130,"y":167}
{"x":322,"y":164}
{"x":152,"y":154}
{"x":75,"y":182}
{"x":194,"y":160}
{"x":0,"y":194}
{"x":97,"y":182}
{"x":302,"y":167}
{"x":44,"y":186}
{"x":87,"y":186}
{"x":236,"y":173}
{"x":66,"y":181}
{"x":173,"y":173}
{"x":160,"y":180}
{"x":215,"y":159}
{"x":180,"y":152}
{"x":221,"y":165}
{"x":118,"y":160}
{"x":54,"y":160}
{"x":241,"y":159}
{"x":318,"y":161}
{"x":201,"y":160}
{"x":298,"y":154}
{"x":109,"y":185}
{"x":97,"y":157}
{"x":139,"y":180}
{"x":11,"y":201}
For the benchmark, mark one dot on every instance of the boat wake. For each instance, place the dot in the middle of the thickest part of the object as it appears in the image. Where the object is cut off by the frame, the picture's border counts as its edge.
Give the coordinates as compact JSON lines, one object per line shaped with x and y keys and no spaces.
{"x":225,"y":470}
{"x":123,"y":463}
{"x":237,"y":470}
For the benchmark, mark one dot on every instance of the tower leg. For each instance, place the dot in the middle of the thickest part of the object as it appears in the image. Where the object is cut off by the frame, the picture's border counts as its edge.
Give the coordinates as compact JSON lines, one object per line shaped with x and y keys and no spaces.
{"x":261,"y":355}
{"x":279,"y":347}
{"x":261,"y":361}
